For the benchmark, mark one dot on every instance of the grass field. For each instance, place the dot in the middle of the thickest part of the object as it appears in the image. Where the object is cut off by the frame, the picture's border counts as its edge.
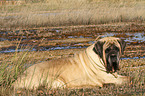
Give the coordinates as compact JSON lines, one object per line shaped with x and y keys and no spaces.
{"x":51,"y":14}
{"x":70,"y":12}
{"x":15,"y":63}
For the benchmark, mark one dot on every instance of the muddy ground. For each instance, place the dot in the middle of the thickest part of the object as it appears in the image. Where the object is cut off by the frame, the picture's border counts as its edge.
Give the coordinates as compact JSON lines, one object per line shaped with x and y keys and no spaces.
{"x":73,"y":37}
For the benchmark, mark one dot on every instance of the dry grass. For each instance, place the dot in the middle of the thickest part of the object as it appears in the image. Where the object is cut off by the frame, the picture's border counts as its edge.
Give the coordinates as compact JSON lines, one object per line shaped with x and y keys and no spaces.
{"x":16,"y":64}
{"x":13,"y":64}
{"x":64,"y":13}
{"x":71,"y":12}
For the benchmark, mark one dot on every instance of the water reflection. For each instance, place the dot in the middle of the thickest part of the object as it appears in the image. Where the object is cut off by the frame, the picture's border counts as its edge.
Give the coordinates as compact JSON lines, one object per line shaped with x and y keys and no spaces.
{"x":128,"y":37}
{"x":125,"y":58}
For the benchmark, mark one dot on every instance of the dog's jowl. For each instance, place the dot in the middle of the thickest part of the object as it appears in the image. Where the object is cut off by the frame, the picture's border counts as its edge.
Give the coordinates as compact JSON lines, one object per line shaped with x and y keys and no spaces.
{"x":95,"y":66}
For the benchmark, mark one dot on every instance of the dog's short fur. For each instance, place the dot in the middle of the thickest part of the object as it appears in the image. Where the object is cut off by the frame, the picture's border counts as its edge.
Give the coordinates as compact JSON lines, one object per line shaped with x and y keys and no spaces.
{"x":95,"y":66}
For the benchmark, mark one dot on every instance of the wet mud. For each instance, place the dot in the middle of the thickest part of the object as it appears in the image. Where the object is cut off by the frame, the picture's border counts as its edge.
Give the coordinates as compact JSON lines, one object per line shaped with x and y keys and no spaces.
{"x":73,"y":37}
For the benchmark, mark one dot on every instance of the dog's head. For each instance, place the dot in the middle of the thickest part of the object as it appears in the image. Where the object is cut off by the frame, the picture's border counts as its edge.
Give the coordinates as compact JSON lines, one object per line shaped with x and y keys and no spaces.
{"x":110,"y":49}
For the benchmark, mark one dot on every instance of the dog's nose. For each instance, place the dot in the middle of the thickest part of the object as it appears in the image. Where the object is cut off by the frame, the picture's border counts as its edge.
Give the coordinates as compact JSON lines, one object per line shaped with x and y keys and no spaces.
{"x":113,"y":55}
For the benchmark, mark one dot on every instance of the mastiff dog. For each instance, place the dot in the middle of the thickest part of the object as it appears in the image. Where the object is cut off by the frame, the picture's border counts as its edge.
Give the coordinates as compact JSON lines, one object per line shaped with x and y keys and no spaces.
{"x":95,"y":66}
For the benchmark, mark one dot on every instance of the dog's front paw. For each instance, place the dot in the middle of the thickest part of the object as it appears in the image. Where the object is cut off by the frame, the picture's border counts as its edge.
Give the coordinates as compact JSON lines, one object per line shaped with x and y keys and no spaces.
{"x":123,"y":80}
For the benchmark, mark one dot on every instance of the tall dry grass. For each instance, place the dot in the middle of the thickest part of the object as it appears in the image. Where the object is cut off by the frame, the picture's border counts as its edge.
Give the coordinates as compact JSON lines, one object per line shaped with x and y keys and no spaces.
{"x":70,"y":12}
{"x":12,"y":66}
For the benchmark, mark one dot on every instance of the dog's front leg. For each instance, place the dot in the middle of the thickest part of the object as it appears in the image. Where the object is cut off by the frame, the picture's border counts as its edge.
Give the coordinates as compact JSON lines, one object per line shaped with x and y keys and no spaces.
{"x":116,"y":79}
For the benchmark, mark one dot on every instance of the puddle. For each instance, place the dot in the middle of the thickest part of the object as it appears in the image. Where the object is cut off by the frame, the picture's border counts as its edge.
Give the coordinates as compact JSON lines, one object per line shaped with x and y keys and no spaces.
{"x":125,"y":58}
{"x":33,"y":37}
{"x":128,"y":36}
{"x":47,"y":48}
{"x":18,"y":50}
{"x":61,"y":48}
{"x":78,"y":37}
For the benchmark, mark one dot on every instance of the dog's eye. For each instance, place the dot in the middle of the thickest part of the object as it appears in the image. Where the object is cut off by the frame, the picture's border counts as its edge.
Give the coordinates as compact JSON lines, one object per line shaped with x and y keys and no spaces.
{"x":107,"y":50}
{"x":116,"y":48}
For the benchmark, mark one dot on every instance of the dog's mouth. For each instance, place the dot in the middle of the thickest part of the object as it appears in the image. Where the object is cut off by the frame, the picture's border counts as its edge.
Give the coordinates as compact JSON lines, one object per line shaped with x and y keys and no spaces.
{"x":112,"y":63}
{"x":115,"y":66}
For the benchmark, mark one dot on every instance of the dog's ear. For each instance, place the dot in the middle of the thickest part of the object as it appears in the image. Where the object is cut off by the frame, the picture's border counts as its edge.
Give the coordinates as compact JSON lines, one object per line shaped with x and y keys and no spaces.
{"x":98,"y":48}
{"x":122,"y":44}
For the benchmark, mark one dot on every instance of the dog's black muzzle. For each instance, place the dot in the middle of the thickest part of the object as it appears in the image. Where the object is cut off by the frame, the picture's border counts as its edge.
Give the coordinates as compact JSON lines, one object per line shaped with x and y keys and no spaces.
{"x":112,"y":62}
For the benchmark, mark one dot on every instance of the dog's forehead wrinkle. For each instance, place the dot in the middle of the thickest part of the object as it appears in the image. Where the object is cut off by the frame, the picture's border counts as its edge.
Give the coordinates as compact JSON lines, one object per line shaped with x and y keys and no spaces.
{"x":109,"y":38}
{"x":113,"y":46}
